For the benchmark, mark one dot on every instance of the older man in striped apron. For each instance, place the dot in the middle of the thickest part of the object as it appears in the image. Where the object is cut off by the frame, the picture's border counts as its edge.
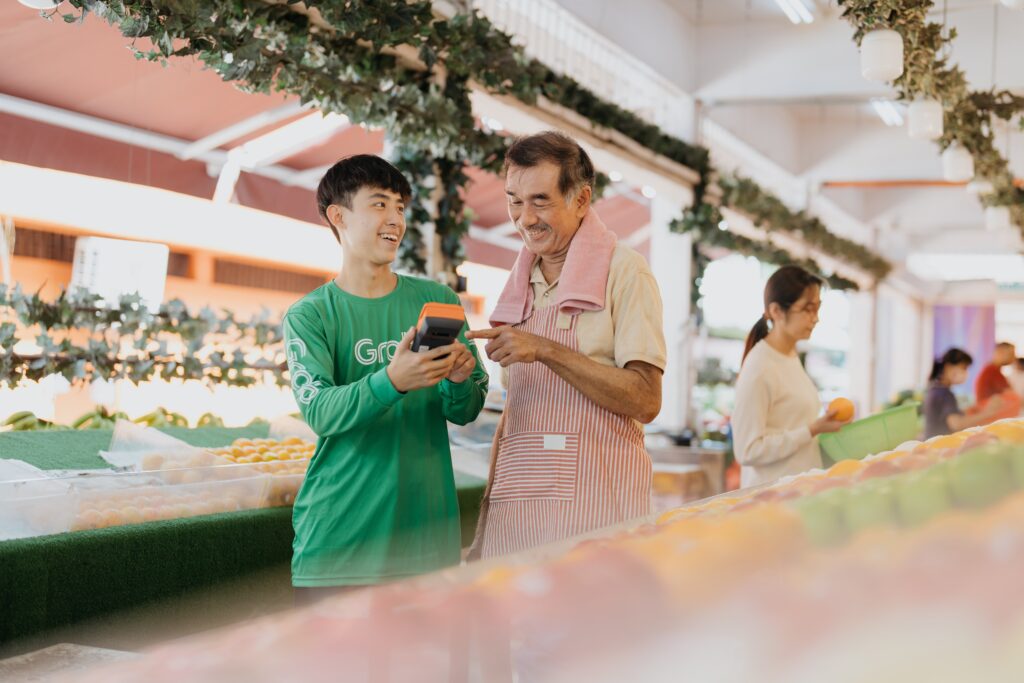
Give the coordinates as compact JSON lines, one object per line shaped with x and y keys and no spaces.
{"x":578,"y":328}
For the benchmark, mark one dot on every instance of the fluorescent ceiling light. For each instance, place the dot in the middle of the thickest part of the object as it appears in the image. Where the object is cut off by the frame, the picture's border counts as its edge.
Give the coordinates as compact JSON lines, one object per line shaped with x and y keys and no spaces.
{"x":887,"y":111}
{"x":796,"y":10}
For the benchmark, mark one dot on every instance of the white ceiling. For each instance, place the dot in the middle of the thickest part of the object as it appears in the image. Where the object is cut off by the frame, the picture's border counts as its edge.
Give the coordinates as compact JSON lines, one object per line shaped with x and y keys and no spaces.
{"x":706,"y":12}
{"x":794,"y":93}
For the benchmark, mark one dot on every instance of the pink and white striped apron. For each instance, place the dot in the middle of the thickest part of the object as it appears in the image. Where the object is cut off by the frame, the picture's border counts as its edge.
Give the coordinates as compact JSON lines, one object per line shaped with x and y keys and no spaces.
{"x":564,"y":465}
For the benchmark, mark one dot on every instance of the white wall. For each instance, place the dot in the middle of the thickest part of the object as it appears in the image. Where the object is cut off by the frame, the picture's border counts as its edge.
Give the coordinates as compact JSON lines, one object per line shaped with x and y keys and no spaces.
{"x":770,"y":60}
{"x":670,"y":263}
{"x":860,"y":359}
{"x":899,"y":339}
{"x":652,"y":30}
{"x":770,"y":130}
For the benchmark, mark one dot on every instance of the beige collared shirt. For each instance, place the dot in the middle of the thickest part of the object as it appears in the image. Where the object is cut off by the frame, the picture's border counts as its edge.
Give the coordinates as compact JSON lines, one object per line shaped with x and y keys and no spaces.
{"x":628,"y":328}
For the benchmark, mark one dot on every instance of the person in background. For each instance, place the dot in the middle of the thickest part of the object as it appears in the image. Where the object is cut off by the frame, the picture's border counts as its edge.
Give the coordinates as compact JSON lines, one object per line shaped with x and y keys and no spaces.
{"x":991,"y":380}
{"x":776,"y":419}
{"x":1016,"y":378}
{"x":942,"y":415}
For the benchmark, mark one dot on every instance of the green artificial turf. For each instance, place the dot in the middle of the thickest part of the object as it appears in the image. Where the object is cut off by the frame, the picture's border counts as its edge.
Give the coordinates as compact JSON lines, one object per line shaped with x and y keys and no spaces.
{"x":79,"y":448}
{"x":52,"y":581}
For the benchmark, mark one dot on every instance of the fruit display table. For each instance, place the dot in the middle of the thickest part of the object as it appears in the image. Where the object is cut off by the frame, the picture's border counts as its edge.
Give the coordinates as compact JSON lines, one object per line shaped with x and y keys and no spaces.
{"x":49,"y":581}
{"x":79,"y":448}
{"x":904,"y":565}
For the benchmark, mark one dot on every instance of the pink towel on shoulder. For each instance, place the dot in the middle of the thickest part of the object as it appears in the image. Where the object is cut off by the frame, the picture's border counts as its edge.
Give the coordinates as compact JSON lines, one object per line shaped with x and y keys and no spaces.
{"x":582,"y":284}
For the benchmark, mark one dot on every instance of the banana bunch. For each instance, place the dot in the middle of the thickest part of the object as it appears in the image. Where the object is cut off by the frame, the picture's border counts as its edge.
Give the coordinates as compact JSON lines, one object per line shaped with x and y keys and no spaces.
{"x":100,"y":418}
{"x":209,"y":420}
{"x":161,"y":417}
{"x":26,"y":421}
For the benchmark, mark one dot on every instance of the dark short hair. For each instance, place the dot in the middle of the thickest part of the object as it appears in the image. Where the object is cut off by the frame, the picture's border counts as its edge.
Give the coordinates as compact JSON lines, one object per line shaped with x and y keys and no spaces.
{"x":953,"y":356}
{"x":1004,"y":345}
{"x":577,"y":170}
{"x":784,"y":287}
{"x":344,"y":179}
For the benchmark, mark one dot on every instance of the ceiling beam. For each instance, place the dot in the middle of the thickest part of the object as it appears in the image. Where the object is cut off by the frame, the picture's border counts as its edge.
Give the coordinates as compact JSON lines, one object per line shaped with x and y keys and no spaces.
{"x":98,"y":206}
{"x":309,"y":178}
{"x":825,"y":100}
{"x":240,"y":129}
{"x":899,"y":184}
{"x":276,"y":145}
{"x":91,"y":125}
{"x":889,"y":184}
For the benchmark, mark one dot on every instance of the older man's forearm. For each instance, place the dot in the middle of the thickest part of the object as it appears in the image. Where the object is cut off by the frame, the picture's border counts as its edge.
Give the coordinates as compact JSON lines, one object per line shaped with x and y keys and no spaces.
{"x":623,"y":391}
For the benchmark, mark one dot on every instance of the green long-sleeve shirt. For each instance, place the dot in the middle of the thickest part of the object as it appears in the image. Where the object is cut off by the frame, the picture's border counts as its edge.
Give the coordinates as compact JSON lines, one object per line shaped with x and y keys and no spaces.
{"x":379,"y":500}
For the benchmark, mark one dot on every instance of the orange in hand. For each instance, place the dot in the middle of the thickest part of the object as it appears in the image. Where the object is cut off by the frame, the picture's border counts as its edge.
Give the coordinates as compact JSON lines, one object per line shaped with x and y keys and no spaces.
{"x":842,"y":409}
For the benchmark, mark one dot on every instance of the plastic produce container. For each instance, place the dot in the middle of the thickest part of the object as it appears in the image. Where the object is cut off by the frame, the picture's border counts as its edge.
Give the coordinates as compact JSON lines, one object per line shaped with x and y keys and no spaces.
{"x":37,"y":507}
{"x":102,"y":506}
{"x":881,"y":432}
{"x":285,"y":479}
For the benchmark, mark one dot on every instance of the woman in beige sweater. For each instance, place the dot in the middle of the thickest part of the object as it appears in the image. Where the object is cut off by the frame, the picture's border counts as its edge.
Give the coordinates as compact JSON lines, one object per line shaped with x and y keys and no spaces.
{"x":776,"y":419}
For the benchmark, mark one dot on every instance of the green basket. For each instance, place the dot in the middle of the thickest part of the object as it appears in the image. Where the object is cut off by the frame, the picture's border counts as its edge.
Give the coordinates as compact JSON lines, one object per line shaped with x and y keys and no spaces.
{"x":875,"y":434}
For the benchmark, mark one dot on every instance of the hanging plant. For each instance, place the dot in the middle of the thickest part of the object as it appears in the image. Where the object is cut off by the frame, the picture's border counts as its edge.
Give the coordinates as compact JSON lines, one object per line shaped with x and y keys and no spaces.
{"x":341,"y":57}
{"x":928,"y":73}
{"x":77,"y":337}
{"x":705,"y":227}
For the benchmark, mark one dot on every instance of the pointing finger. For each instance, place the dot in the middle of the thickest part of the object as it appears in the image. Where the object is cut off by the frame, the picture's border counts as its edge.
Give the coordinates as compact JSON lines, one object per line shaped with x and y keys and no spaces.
{"x":490,"y":333}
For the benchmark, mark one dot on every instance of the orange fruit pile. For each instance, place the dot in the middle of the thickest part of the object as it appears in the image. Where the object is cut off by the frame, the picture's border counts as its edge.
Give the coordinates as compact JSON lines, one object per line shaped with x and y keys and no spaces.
{"x":266,"y":450}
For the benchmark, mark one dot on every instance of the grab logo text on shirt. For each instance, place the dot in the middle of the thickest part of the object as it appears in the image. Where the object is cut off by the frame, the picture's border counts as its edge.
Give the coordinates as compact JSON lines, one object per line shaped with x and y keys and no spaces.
{"x":303,"y":384}
{"x":367,"y":352}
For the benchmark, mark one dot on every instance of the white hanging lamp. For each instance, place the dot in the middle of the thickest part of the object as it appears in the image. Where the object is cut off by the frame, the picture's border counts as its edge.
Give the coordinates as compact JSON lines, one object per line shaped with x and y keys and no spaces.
{"x":997,"y":218}
{"x":40,"y":4}
{"x":957,"y":164}
{"x":924,"y":119}
{"x":881,"y":55}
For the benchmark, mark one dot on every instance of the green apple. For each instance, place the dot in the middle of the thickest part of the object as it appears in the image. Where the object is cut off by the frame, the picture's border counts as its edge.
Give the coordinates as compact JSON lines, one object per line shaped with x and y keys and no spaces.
{"x":922,"y":495}
{"x":870,"y":504}
{"x":981,"y":477}
{"x":822,"y":516}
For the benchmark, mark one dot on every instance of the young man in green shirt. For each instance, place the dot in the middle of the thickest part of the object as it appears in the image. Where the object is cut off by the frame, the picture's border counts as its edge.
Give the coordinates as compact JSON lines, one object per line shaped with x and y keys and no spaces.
{"x":379,"y":502}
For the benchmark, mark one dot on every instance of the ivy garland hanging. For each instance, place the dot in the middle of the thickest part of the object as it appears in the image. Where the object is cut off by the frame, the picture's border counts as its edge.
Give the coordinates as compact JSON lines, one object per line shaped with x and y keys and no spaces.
{"x":709,"y":232}
{"x":927,"y":72}
{"x":78,"y":337}
{"x":347,"y":63}
{"x":769,"y":213}
{"x":342,"y":56}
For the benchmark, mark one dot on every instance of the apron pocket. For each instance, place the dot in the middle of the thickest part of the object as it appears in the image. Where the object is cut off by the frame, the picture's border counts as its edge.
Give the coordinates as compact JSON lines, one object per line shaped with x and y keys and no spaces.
{"x":536,"y":466}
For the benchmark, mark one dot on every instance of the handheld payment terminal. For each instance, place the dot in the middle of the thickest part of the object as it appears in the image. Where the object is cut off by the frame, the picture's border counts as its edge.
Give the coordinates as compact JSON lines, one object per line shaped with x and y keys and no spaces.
{"x":439,"y":325}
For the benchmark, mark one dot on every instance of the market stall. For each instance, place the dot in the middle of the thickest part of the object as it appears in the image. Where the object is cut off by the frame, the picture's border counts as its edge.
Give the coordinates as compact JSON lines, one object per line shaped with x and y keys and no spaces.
{"x":53,"y":580}
{"x":901,"y":562}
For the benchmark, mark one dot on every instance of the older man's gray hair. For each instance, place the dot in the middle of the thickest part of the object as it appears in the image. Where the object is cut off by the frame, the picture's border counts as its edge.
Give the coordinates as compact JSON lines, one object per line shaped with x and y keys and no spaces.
{"x":577,"y":170}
